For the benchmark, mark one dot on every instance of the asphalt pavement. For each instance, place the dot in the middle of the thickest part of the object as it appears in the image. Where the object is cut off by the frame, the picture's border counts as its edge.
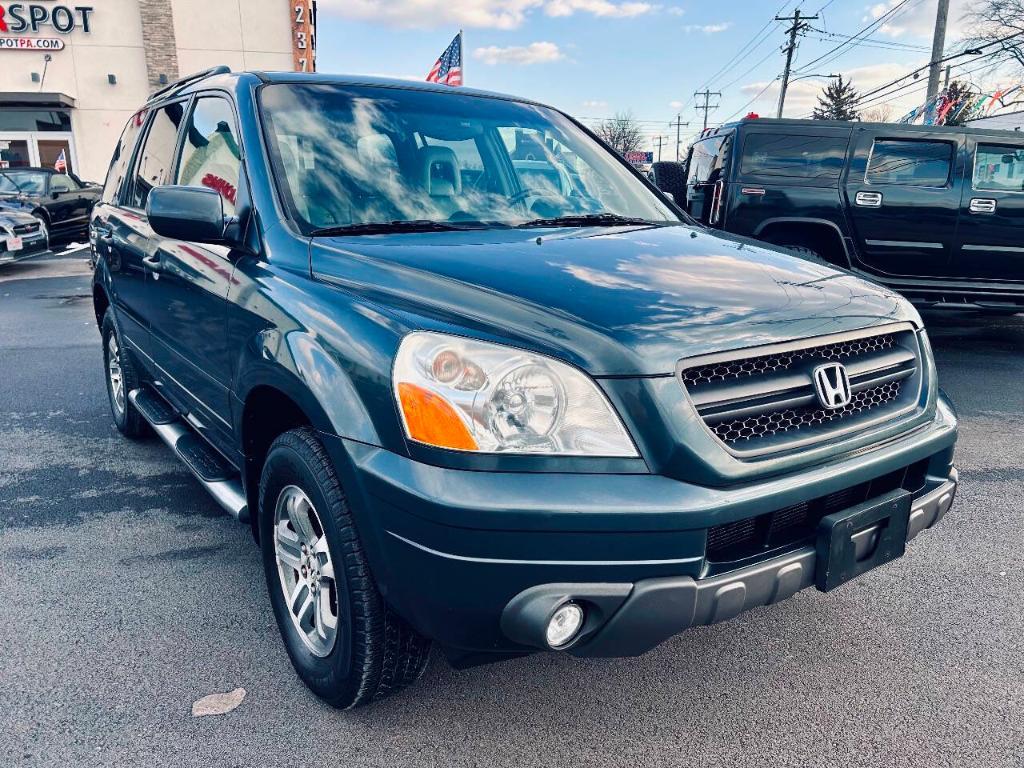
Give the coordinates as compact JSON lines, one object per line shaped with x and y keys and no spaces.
{"x":126,"y":595}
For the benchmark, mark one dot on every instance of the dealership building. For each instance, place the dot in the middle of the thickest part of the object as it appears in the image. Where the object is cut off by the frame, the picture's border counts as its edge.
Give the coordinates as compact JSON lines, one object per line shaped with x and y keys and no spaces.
{"x":72,"y":74}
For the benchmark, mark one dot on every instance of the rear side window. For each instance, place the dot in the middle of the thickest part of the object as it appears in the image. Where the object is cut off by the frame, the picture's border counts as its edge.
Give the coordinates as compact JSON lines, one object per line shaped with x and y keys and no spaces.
{"x":210,"y":156}
{"x":154,"y":165}
{"x":910,"y":163}
{"x":999,"y":168}
{"x":707,"y":158}
{"x":122,"y":158}
{"x":803,"y":157}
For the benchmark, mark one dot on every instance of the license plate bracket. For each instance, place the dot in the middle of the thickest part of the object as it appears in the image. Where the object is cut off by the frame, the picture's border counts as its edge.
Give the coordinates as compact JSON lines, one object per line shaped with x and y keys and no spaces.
{"x":837,"y":558}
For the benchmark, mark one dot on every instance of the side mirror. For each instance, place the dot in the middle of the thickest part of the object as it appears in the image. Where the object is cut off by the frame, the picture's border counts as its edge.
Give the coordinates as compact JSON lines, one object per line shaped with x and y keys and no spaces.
{"x":670,"y":177}
{"x":186,"y":213}
{"x":55,"y":194}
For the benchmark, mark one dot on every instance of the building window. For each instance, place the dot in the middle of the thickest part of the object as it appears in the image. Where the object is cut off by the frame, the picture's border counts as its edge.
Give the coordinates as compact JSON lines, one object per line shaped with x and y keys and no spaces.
{"x":34,"y":120}
{"x":910,"y":163}
{"x":210,"y":156}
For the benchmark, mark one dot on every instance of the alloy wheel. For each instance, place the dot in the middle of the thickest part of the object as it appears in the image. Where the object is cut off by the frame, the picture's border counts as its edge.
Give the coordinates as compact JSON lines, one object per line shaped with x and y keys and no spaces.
{"x":115,"y":374}
{"x":305,"y":570}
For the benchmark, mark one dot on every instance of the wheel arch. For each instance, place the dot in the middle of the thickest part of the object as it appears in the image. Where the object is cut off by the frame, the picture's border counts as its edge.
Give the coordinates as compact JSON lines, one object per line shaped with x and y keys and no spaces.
{"x":100,"y":302}
{"x":821,"y":235}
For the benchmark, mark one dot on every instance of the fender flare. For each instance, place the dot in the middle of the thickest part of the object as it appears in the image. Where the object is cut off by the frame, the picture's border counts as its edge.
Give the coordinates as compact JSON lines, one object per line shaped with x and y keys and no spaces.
{"x":804,"y":220}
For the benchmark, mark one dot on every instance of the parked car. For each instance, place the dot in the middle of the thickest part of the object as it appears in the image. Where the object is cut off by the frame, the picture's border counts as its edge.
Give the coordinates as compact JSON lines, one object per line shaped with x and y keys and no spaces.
{"x":451,"y":418}
{"x":61,"y":200}
{"x":936,"y":213}
{"x":22,"y":236}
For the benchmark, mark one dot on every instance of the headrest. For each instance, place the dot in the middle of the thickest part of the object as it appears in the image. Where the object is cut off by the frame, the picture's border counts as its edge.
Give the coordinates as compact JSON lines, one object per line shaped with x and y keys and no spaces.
{"x":440,"y":171}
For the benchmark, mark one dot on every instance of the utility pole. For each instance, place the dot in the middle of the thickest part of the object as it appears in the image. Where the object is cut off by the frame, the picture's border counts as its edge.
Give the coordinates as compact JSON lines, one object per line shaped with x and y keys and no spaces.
{"x":945,"y":85}
{"x":706,"y":106}
{"x":935,"y":68}
{"x":659,"y":142}
{"x":799,"y":25}
{"x":678,"y":123}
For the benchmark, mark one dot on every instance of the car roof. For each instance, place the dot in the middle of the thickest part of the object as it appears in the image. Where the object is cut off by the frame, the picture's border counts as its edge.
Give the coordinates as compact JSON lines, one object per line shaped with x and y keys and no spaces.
{"x":852,"y":125}
{"x":220,"y":77}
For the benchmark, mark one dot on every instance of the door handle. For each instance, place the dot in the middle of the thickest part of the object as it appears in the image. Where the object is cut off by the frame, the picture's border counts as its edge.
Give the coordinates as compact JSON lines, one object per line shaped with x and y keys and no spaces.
{"x":983,"y":205}
{"x":869,"y":199}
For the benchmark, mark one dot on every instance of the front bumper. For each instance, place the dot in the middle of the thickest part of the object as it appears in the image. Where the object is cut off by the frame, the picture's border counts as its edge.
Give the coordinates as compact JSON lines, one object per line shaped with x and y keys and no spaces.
{"x":30,"y":247}
{"x":645,"y":614}
{"x":451,"y":549}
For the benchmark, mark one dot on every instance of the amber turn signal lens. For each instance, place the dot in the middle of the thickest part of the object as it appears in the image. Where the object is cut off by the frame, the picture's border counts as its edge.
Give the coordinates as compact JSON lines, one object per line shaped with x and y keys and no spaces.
{"x":431,"y":420}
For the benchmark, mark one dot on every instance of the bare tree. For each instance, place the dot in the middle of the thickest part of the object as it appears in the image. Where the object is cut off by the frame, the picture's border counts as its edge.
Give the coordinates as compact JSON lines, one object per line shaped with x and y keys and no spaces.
{"x":621,"y":132}
{"x":882,"y":113}
{"x":1000,"y":22}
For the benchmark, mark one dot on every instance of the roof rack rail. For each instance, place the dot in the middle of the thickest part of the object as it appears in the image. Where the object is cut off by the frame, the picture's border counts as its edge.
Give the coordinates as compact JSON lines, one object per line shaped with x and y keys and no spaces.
{"x":221,"y":69}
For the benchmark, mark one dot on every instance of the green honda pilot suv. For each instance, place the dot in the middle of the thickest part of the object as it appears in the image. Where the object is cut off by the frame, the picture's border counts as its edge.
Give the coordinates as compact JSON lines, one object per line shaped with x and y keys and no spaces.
{"x":474,"y":382}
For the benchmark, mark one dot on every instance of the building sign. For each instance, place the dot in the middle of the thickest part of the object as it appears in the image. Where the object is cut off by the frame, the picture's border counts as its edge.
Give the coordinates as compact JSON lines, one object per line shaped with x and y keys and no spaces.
{"x":639,"y":158}
{"x":31,"y":44}
{"x":34,"y":17}
{"x":303,"y":13}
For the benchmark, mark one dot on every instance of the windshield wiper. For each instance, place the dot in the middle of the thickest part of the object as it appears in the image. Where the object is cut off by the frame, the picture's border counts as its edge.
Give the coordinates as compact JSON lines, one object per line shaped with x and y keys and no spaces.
{"x":590,"y":220}
{"x":399,"y":225}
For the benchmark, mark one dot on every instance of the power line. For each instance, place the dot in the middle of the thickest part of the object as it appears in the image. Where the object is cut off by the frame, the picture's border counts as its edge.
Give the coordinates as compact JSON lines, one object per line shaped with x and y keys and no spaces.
{"x":677,"y":123}
{"x":752,"y":45}
{"x":758,"y":96}
{"x":706,"y":106}
{"x":852,"y":43}
{"x":797,"y":29}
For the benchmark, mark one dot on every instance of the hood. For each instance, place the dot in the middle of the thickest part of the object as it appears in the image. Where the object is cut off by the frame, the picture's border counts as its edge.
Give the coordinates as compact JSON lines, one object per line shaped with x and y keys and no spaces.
{"x":14,"y":216}
{"x":615,"y":301}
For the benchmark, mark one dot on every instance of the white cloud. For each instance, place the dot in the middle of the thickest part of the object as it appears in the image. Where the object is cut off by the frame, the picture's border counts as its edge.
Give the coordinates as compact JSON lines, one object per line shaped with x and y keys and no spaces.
{"x":676,"y":104}
{"x":708,"y":29}
{"x":917,"y":20}
{"x":596,"y":7}
{"x":534,"y":53}
{"x":675,"y":10}
{"x":595,"y":104}
{"x":485,"y":14}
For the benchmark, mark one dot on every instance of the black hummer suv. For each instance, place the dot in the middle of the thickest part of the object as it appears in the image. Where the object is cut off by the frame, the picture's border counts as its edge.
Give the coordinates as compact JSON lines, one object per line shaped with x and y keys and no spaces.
{"x":472,"y":380}
{"x":936,"y":213}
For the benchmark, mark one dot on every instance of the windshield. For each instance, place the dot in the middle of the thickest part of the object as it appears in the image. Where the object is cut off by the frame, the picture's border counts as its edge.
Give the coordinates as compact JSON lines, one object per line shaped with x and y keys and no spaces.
{"x":25,"y":182}
{"x":349,"y":155}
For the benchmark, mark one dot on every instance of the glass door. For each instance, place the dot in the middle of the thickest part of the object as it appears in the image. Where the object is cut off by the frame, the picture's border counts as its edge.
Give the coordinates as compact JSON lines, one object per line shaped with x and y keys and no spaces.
{"x":55,"y":153}
{"x":16,"y":152}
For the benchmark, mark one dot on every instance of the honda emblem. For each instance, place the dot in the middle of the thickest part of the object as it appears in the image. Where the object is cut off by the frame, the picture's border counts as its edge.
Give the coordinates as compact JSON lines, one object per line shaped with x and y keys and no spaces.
{"x":832,"y":383}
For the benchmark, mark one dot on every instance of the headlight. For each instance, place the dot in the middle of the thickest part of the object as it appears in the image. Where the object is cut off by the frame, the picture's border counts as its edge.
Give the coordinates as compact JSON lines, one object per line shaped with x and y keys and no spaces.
{"x":474,"y":396}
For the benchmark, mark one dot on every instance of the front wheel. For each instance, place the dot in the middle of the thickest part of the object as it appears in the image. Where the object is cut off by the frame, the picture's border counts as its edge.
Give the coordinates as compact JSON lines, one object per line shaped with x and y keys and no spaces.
{"x":345,"y":643}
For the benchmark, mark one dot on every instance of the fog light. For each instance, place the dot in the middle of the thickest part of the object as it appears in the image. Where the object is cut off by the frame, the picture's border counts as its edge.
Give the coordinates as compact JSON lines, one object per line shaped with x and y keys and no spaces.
{"x":564,"y":624}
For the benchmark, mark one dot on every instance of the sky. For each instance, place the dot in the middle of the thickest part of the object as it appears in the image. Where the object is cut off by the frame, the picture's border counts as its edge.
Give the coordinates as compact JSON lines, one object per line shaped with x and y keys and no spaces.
{"x":594,"y":58}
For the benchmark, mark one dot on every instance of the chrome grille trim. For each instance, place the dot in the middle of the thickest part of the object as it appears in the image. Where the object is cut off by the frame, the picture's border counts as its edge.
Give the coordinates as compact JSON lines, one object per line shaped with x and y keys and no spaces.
{"x":761,"y":400}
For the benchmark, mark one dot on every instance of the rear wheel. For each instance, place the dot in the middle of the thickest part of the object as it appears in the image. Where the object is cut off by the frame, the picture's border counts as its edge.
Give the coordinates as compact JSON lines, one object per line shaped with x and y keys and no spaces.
{"x":343,"y":640}
{"x":121,"y":379}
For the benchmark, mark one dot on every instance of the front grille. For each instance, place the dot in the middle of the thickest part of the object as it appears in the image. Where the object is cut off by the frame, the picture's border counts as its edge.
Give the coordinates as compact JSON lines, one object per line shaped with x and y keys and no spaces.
{"x":763,"y":401}
{"x":797,"y":524}
{"x":730,"y":370}
{"x":26,"y":229}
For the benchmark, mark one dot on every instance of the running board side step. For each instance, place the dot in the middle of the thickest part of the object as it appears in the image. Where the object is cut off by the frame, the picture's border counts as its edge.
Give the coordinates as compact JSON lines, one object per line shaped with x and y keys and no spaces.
{"x":220,"y":479}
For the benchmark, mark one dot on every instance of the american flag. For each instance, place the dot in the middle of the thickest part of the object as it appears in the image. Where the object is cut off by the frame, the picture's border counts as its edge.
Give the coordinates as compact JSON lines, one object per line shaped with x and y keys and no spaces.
{"x":62,"y":162}
{"x":448,"y":69}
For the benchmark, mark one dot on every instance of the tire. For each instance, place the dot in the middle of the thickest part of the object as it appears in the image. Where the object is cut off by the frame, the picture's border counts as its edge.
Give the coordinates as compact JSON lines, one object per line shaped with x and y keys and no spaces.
{"x":307,"y":532}
{"x":128,"y":421}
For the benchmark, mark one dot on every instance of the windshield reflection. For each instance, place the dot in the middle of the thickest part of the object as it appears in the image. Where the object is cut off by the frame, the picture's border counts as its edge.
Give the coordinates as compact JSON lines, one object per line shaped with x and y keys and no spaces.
{"x":349,"y":155}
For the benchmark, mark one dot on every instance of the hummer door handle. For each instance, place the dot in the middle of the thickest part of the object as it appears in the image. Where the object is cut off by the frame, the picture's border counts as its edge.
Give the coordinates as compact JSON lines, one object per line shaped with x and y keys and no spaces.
{"x":869,"y":199}
{"x":983,"y":205}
